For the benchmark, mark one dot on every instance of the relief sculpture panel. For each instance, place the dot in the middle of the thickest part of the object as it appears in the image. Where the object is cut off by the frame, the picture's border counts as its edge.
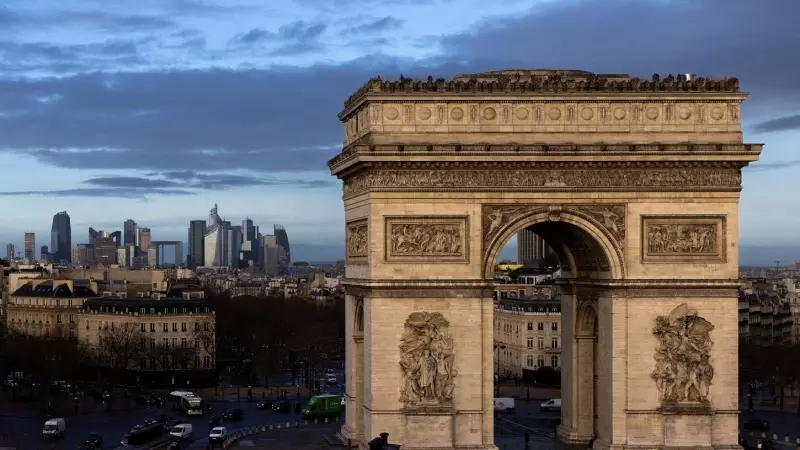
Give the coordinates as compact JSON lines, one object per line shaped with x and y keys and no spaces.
{"x":427,"y":238}
{"x":357,"y":240}
{"x":683,"y":238}
{"x":426,"y":359}
{"x":683,"y":371}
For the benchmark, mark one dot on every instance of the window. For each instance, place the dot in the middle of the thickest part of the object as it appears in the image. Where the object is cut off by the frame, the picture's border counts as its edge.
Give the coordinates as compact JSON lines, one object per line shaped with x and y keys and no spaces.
{"x":143,"y":343}
{"x":175,"y":326}
{"x":183,"y":342}
{"x":540,"y":361}
{"x":87,"y":324}
{"x":152,"y":328}
{"x":143,"y":328}
{"x":554,"y":342}
{"x":540,"y":326}
{"x":530,"y":326}
{"x":540,"y":342}
{"x":72,"y":333}
{"x":166,"y":327}
{"x":530,"y":361}
{"x":174,"y":342}
{"x":58,"y":318}
{"x":196,"y":362}
{"x":554,"y":326}
{"x":197,"y":326}
{"x":530,"y":342}
{"x":112,"y":326}
{"x":206,"y":325}
{"x":207,"y":362}
{"x":183,"y":326}
{"x":207,"y":343}
{"x":152,"y":343}
{"x":197,"y":344}
{"x":166,"y":342}
{"x":554,"y":361}
{"x":143,"y":364}
{"x":142,"y":310}
{"x":72,"y":318}
{"x":152,"y":363}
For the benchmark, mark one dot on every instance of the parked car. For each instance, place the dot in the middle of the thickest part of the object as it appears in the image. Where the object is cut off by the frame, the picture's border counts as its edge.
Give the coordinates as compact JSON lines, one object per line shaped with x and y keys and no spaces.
{"x":233,"y":414}
{"x":263,"y":404}
{"x":331,"y":380}
{"x":182,"y":431}
{"x":218,"y":434}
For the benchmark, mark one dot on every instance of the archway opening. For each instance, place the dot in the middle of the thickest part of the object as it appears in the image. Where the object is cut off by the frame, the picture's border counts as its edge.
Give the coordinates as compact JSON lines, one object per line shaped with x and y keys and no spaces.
{"x":546,"y":316}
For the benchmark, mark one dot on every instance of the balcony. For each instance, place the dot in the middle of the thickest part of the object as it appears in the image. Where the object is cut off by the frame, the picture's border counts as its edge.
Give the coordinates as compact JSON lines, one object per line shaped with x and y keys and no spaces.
{"x":552,"y":351}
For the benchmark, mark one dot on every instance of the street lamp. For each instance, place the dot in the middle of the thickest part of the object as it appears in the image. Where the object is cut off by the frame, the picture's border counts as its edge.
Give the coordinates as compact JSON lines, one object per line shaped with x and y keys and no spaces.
{"x":498,"y":346}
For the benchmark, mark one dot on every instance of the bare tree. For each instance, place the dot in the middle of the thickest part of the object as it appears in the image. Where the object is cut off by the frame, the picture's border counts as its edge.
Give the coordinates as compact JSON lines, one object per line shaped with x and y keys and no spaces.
{"x":204,"y":334}
{"x":120,"y":347}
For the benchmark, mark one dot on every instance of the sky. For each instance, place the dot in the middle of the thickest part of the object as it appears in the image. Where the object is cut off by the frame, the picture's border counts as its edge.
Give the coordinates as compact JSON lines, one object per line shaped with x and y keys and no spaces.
{"x":155,"y":110}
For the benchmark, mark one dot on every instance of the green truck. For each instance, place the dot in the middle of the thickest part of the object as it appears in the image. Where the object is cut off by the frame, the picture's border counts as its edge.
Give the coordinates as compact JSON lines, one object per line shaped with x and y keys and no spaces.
{"x":323,"y":406}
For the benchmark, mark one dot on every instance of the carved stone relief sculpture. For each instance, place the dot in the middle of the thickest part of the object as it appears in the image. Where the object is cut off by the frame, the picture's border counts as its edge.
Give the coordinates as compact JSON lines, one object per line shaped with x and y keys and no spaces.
{"x":683,"y":371}
{"x":426,"y":359}
{"x":611,"y":217}
{"x":357,"y":239}
{"x":673,"y":238}
{"x":434,"y":238}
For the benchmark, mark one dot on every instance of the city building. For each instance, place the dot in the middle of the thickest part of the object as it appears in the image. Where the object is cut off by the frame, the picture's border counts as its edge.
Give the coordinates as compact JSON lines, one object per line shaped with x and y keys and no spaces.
{"x":116,"y":236}
{"x":129,"y":232}
{"x":44,"y":254}
{"x":143,"y":239}
{"x":274,"y":256}
{"x":48,"y":307}
{"x":83,"y":255}
{"x":283,"y":240}
{"x":533,"y":251}
{"x":30,"y":246}
{"x":105,"y":251}
{"x":175,"y":333}
{"x":10,"y":252}
{"x":196,"y":254}
{"x":61,"y":238}
{"x":527,"y":333}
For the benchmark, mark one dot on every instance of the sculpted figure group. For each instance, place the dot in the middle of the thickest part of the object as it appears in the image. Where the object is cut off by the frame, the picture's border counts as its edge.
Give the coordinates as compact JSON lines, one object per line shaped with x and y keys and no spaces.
{"x":683,"y":371}
{"x":426,"y":359}
{"x":425,"y":239}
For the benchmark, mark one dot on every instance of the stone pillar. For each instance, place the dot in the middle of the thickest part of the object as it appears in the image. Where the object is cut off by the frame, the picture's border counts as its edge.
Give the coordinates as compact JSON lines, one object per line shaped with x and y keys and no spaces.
{"x":352,"y":430}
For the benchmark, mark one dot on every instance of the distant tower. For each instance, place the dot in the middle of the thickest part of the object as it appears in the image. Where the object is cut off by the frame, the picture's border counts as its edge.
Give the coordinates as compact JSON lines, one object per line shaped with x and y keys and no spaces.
{"x":283,"y":240}
{"x":30,"y":246}
{"x":144,"y":239}
{"x":129,"y":232}
{"x":10,"y":252}
{"x":61,"y":238}
{"x":196,"y":253}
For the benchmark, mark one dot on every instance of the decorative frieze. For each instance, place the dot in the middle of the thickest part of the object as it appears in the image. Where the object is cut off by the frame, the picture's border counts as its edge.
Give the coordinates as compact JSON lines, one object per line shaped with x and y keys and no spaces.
{"x":357,"y":241}
{"x":427,"y":238}
{"x":683,"y":238}
{"x":544,"y":176}
{"x":426,"y":359}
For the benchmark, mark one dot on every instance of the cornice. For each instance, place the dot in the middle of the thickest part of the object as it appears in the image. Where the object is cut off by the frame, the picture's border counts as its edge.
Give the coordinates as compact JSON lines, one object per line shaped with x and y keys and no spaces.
{"x":351,"y":152}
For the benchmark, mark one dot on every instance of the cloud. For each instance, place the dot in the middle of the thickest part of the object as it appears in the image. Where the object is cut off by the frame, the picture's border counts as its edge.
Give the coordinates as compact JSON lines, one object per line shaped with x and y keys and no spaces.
{"x":187,"y":179}
{"x":772,"y":166}
{"x":25,"y":57}
{"x":99,"y":192}
{"x":291,"y":39}
{"x":97,"y":19}
{"x":780,"y":124}
{"x":375,"y":26}
{"x":281,"y":118}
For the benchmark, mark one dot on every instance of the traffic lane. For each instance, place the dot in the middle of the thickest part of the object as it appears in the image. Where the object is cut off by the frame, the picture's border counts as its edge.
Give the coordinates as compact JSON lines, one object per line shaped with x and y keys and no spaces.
{"x":780,"y":423}
{"x":113,"y":425}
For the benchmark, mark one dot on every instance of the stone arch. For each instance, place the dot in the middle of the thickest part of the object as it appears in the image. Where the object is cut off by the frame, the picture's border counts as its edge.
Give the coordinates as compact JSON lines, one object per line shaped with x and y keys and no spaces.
{"x":358,"y":319}
{"x":579,"y":241}
{"x":586,"y":318}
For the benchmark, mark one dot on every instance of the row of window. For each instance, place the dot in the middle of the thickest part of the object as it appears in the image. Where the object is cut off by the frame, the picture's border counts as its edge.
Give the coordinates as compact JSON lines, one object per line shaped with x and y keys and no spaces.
{"x":162,"y":310}
{"x":40,"y":301}
{"x":508,"y":328}
{"x":102,"y":326}
{"x":540,"y":361}
{"x":184,"y":343}
{"x":169,"y":363}
{"x":540,"y":342}
{"x":59,"y":319}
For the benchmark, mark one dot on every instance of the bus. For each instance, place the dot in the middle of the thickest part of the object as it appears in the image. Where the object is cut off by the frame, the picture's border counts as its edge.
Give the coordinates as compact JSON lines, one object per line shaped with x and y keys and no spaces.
{"x":187,"y":402}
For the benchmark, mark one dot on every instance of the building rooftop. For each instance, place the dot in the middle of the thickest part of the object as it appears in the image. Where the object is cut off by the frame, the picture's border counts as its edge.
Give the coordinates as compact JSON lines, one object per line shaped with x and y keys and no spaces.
{"x":56,"y":289}
{"x":541,"y":305}
{"x":120,"y":304}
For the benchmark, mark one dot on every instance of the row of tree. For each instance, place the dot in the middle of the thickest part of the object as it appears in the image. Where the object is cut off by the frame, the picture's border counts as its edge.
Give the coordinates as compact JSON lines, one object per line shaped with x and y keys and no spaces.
{"x":772,"y":365}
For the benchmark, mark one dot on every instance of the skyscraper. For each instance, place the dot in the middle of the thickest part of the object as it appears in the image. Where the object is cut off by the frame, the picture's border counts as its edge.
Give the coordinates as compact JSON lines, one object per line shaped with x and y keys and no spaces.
{"x":129,"y":232}
{"x":93,"y":234}
{"x":117,"y":237}
{"x":61,"y":238}
{"x":30,"y":246}
{"x":532,"y":250}
{"x":44,"y":254}
{"x":144,"y":239}
{"x":196,"y":254}
{"x":283,"y":240}
{"x":10,"y":252}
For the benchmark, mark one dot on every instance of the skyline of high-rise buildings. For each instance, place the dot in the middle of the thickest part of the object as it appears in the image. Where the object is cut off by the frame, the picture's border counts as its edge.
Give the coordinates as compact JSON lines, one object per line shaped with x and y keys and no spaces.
{"x":60,"y":239}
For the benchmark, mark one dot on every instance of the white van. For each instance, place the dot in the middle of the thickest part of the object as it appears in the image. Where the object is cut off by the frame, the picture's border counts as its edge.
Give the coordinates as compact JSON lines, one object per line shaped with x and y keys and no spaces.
{"x":182,"y":430}
{"x":54,"y":428}
{"x":554,"y":404}
{"x":504,"y":404}
{"x":218,"y":434}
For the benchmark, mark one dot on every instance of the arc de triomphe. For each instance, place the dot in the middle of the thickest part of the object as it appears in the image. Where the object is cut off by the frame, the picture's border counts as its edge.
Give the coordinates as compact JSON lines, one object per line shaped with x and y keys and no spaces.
{"x":635,"y":184}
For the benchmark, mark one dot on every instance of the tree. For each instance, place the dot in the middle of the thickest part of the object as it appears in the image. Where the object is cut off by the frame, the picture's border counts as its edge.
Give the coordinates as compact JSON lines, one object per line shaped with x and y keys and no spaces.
{"x":120,"y":347}
{"x":204,"y":334}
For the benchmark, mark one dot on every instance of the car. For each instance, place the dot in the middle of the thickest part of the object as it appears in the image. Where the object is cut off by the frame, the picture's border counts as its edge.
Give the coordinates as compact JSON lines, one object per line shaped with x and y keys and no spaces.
{"x":149,"y":421}
{"x":233,"y":414}
{"x":170,"y":424}
{"x":182,"y":431}
{"x":554,"y":404}
{"x":218,"y":434}
{"x":93,"y":440}
{"x":330,"y":371}
{"x":756,"y":425}
{"x":282,"y":406}
{"x":263,"y":404}
{"x":137,"y":427}
{"x":331,"y":380}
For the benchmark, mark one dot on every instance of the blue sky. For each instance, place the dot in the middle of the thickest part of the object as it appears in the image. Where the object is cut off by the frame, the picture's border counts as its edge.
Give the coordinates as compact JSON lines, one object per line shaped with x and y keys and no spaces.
{"x":157,"y":109}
